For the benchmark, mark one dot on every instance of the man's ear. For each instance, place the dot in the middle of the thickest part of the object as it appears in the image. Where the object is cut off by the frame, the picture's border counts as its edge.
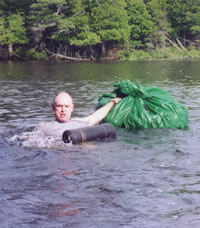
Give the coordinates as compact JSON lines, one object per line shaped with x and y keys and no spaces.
{"x":53,"y":107}
{"x":72,"y":107}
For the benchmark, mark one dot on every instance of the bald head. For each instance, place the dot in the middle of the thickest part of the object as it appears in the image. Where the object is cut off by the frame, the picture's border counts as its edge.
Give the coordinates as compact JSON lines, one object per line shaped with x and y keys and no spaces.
{"x":63,"y":106}
{"x":62,"y":95}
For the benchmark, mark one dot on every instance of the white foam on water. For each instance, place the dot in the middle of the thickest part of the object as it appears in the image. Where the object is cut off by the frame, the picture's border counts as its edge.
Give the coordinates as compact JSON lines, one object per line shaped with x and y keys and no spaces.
{"x":36,"y":139}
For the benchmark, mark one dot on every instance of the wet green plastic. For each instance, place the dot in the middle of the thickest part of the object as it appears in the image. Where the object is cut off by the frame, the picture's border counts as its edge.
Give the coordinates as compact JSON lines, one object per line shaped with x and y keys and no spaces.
{"x":143,"y":107}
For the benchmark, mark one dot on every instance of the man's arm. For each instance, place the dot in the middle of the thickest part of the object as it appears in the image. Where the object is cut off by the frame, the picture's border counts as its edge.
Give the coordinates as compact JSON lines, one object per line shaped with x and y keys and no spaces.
{"x":101,"y":113}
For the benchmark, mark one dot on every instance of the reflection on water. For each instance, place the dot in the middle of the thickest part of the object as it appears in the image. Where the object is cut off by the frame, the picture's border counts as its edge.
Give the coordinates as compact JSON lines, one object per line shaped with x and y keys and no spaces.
{"x":146,"y":178}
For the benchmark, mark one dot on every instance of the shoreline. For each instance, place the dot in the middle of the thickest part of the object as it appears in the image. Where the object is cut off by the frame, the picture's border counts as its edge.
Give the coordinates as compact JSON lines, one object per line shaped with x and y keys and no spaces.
{"x":134,"y":55}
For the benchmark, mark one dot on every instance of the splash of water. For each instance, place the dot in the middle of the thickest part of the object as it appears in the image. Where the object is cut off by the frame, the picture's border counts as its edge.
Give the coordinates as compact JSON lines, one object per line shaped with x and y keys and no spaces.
{"x":35,"y":139}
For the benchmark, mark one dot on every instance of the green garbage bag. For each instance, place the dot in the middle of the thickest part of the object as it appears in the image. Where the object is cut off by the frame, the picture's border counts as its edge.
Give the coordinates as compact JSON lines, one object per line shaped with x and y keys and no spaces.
{"x":143,"y":107}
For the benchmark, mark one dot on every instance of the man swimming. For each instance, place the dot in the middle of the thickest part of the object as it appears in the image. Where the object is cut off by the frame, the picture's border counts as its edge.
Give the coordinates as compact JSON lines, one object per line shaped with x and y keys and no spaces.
{"x":63,"y":107}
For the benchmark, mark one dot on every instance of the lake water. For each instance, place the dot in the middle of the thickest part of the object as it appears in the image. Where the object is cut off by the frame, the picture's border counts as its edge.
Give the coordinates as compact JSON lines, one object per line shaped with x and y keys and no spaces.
{"x":143,"y":179}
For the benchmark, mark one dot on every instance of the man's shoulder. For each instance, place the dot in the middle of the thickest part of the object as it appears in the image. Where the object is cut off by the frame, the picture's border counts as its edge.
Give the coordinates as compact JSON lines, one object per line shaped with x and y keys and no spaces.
{"x":83,"y":120}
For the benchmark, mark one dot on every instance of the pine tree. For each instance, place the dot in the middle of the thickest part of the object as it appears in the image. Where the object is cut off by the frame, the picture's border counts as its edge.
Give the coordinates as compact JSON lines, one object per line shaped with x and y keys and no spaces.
{"x":12,"y":31}
{"x":109,"y":20}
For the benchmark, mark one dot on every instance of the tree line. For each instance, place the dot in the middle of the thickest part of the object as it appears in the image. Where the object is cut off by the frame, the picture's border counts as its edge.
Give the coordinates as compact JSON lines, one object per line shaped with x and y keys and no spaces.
{"x":95,"y":29}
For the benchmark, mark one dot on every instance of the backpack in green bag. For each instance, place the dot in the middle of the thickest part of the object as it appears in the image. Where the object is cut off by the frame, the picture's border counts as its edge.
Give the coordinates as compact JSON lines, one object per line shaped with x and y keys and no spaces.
{"x":143,"y":107}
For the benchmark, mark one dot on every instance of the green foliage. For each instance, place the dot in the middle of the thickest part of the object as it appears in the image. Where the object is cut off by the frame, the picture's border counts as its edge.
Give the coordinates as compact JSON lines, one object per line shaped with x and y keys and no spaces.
{"x":45,"y":12}
{"x":109,"y":19}
{"x":12,"y":30}
{"x":184,"y":17}
{"x":126,"y":25}
{"x":8,"y":7}
{"x":85,"y":38}
{"x":89,"y":26}
{"x":140,"y":20}
{"x":193,"y":17}
{"x":156,"y":9}
{"x":32,"y":54}
{"x":166,"y":53}
{"x":75,"y":28}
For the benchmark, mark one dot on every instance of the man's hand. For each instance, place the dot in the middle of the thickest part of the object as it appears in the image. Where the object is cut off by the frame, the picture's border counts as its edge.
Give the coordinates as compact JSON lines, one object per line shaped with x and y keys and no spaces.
{"x":115,"y":100}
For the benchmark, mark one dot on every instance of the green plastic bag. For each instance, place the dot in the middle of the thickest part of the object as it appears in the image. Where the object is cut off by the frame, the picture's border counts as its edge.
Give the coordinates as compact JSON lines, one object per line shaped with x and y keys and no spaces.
{"x":143,"y":107}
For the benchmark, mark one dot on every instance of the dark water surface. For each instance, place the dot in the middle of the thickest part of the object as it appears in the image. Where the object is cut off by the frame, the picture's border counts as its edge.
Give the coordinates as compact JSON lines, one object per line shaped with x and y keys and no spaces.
{"x":144,"y":179}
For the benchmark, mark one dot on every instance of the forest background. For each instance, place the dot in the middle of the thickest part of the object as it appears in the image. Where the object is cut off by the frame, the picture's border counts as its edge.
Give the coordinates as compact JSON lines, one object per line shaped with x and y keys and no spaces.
{"x":87,"y":30}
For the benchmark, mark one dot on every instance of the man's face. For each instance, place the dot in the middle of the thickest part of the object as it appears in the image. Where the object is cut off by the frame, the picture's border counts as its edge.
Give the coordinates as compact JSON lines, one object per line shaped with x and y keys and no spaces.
{"x":63,"y":107}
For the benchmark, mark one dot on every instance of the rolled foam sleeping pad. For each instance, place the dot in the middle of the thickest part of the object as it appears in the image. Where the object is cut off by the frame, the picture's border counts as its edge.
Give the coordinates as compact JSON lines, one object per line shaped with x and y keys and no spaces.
{"x":96,"y":132}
